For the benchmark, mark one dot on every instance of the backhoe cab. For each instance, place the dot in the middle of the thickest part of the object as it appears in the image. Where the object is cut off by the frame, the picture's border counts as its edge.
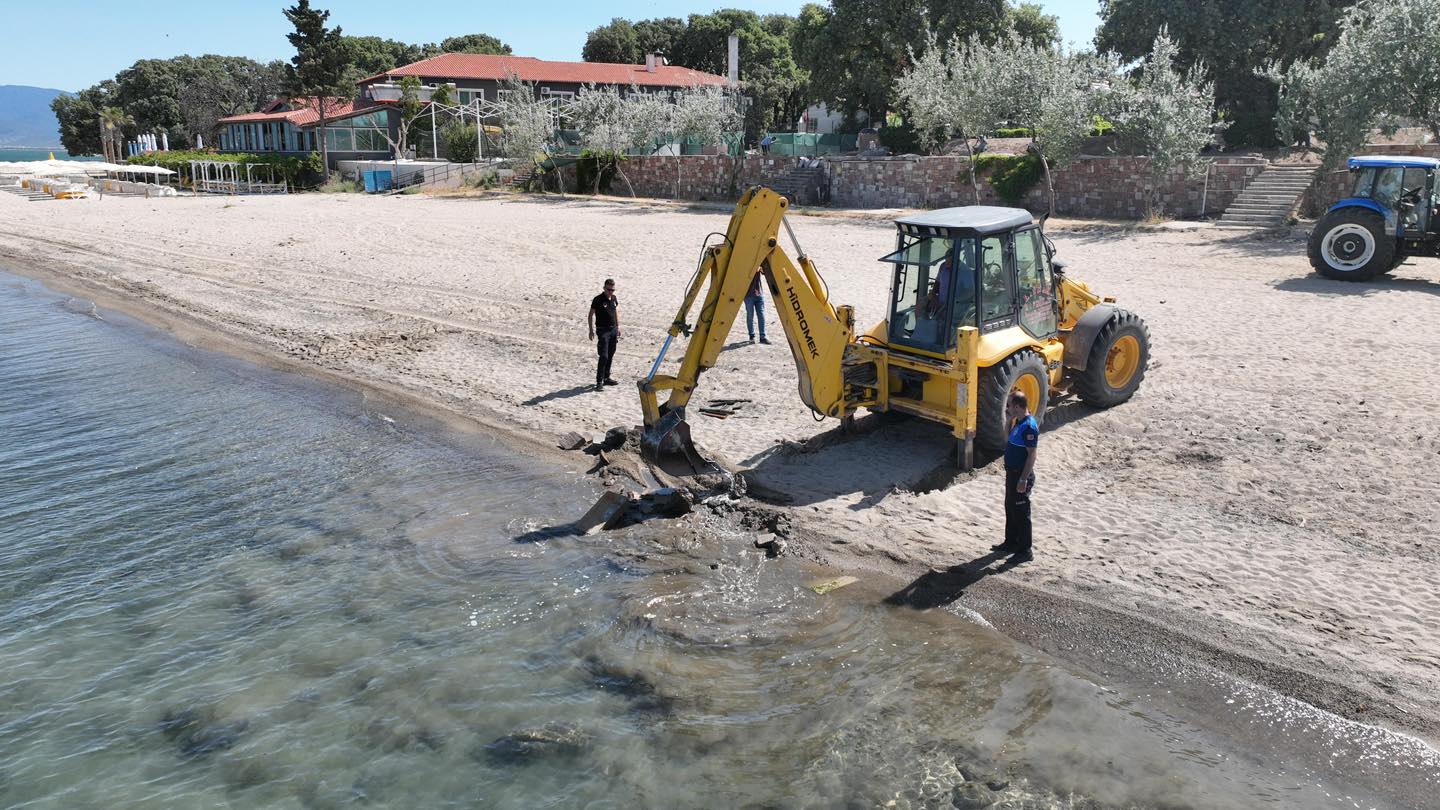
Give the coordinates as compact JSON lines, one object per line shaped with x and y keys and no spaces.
{"x":1389,"y":216}
{"x":976,"y":309}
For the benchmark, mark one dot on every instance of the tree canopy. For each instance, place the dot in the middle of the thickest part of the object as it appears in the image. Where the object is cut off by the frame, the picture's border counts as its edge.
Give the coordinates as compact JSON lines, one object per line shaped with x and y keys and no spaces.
{"x":321,"y":68}
{"x":1232,"y":37}
{"x":772,"y":79}
{"x":181,"y":97}
{"x":854,"y":50}
{"x":1381,"y":72}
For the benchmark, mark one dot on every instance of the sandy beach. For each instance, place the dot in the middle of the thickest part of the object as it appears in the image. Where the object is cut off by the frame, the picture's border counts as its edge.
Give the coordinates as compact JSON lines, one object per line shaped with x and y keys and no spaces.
{"x":1266,"y":503}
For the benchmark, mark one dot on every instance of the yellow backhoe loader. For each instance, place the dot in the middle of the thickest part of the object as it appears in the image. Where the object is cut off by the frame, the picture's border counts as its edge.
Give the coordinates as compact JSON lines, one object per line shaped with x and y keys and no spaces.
{"x":977,"y":308}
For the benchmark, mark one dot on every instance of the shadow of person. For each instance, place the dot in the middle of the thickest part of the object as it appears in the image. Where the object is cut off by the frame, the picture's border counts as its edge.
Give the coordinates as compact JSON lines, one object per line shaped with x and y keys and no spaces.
{"x":939,"y":588}
{"x":565,"y":393}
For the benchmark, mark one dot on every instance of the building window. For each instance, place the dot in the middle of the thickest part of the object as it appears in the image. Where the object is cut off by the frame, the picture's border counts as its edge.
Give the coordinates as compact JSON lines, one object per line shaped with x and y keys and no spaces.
{"x":339,"y":140}
{"x":370,"y":140}
{"x":367,"y":120}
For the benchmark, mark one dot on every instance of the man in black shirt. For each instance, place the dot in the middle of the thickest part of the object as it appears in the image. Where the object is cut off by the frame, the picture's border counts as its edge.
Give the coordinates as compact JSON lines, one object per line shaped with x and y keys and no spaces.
{"x":605,"y":331}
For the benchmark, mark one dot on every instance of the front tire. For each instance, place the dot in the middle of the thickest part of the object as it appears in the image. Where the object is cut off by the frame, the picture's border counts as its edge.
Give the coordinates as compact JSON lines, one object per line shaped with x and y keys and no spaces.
{"x":1350,"y":245}
{"x":1117,"y":362}
{"x":1024,"y":370}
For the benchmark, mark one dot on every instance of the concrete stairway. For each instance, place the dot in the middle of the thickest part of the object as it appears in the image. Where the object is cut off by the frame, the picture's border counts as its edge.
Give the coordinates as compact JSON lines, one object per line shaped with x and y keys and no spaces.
{"x":802,"y":186}
{"x":1269,"y":199}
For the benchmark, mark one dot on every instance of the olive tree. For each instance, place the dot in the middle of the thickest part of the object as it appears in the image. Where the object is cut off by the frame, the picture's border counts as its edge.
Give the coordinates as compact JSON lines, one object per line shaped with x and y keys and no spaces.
{"x":706,"y":114}
{"x":1166,"y":114}
{"x":977,"y":83}
{"x":599,"y":114}
{"x":1381,"y":71}
{"x":526,"y":122}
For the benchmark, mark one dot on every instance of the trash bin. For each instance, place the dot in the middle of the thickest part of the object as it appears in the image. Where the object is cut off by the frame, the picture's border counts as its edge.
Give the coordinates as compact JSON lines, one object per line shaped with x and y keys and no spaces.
{"x":378,"y":180}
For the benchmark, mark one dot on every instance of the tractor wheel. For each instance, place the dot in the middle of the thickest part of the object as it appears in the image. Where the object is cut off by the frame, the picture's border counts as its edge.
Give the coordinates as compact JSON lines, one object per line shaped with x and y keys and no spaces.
{"x":1350,"y":245}
{"x":1117,"y":361}
{"x":1023,"y":370}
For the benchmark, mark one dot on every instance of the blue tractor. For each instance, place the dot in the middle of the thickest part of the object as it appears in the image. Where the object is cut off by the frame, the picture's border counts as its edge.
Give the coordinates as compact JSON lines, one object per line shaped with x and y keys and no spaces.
{"x":1389,"y":216}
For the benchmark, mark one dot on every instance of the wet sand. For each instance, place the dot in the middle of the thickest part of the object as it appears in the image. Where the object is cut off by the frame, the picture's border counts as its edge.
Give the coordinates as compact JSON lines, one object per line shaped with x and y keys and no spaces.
{"x":1265,"y":504}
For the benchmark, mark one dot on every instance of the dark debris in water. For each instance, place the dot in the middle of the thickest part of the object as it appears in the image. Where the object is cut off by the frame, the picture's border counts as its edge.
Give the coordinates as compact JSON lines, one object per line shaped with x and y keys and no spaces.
{"x":642,"y":693}
{"x":528,"y":745}
{"x":196,"y":733}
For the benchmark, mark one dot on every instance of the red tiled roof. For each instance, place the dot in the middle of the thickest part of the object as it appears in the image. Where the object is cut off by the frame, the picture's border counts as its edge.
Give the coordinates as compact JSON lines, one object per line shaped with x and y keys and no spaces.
{"x":530,"y":69}
{"x":303,"y":112}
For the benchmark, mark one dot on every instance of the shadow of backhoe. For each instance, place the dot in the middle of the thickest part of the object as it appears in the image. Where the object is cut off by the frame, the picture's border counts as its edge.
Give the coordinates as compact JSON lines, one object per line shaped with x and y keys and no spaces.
{"x":880,"y":455}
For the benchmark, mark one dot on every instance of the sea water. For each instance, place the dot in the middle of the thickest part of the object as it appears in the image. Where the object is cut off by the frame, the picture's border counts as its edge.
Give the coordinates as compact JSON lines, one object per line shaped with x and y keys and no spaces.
{"x":223,"y":586}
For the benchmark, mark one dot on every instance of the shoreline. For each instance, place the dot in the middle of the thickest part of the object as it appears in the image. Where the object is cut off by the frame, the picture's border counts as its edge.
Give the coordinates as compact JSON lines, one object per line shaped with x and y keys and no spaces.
{"x":1096,"y":637}
{"x":1090,"y":630}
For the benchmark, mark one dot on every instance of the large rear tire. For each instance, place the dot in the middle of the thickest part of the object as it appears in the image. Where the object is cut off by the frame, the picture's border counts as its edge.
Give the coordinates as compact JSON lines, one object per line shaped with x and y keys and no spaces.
{"x":1350,"y":244}
{"x":1117,"y":362}
{"x":1024,"y":370}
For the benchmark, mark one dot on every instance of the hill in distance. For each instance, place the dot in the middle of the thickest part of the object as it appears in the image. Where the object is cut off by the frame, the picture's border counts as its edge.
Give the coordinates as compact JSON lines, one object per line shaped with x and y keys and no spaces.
{"x":25,"y":116}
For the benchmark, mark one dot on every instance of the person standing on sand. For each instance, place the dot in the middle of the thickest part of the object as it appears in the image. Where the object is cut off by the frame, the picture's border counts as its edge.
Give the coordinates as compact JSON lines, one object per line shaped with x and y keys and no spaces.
{"x":605,"y":331}
{"x":1019,"y":477}
{"x":755,"y":309}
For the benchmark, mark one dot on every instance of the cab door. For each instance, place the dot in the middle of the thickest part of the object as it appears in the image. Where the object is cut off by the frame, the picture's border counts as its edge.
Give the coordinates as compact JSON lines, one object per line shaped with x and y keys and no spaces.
{"x":1035,"y":286}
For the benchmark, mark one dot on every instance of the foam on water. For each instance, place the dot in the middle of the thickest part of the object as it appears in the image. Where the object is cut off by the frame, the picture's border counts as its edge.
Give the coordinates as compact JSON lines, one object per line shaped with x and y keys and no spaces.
{"x":233,"y":588}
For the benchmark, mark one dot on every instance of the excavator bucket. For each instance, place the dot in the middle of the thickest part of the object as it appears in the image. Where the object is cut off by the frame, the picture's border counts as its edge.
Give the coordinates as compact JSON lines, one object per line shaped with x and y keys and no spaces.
{"x":668,"y":446}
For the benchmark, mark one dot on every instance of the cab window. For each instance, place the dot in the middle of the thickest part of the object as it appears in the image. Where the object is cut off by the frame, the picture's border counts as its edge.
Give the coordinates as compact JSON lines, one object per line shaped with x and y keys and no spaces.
{"x":1035,"y":286}
{"x":996,"y":296}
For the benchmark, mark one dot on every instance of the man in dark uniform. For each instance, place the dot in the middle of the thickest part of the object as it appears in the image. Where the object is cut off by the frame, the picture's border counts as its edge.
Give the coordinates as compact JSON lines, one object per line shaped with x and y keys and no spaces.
{"x":605,"y":331}
{"x":1019,"y":477}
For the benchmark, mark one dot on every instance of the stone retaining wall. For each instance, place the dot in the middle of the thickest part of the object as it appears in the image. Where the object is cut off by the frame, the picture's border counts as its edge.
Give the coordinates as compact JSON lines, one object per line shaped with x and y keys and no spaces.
{"x":1105,"y":187}
{"x":1109,"y":187}
{"x":695,"y":177}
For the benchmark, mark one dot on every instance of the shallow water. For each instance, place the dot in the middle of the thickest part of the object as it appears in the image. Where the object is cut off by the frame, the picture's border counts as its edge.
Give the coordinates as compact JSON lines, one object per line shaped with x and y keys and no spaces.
{"x":228,"y":587}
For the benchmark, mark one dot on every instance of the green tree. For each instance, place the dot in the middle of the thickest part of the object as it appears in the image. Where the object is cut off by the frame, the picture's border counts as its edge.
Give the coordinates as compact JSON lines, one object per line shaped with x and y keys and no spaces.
{"x":475,"y":43}
{"x":768,"y":72}
{"x":461,"y":143}
{"x":658,"y":36}
{"x":1233,"y":38}
{"x":526,"y":122}
{"x":1166,"y":113}
{"x":113,"y":123}
{"x":854,"y":50}
{"x":149,"y":91}
{"x":320,"y":69}
{"x":1034,"y":26}
{"x":79,"y":117}
{"x":614,"y":42}
{"x":369,"y":56}
{"x":1381,"y":73}
{"x":217,"y":86}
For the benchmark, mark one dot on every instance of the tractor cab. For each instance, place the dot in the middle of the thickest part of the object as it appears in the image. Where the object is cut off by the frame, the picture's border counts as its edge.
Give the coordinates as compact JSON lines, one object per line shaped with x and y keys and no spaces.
{"x":1389,"y":215}
{"x":1399,"y":188}
{"x":980,"y":266}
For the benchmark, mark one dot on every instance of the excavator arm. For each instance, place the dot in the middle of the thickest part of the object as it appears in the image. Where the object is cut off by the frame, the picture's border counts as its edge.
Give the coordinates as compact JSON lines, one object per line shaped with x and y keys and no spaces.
{"x":817,"y":332}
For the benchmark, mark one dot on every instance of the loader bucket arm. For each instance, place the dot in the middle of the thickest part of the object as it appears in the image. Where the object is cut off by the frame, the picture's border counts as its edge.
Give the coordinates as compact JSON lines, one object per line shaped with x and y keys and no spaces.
{"x":816,"y":331}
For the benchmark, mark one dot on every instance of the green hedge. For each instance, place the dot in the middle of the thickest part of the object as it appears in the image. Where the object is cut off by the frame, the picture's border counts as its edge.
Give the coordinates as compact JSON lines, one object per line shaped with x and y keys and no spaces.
{"x":592,"y":161}
{"x":1102,"y":127}
{"x":299,"y":172}
{"x":1011,"y":175}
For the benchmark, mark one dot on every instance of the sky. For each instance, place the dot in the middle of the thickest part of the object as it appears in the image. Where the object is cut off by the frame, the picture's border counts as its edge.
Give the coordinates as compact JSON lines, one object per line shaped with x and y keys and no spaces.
{"x":85,"y":42}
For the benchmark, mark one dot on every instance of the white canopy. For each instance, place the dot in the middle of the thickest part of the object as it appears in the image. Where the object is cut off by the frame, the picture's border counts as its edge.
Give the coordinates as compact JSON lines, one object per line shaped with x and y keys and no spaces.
{"x":61,"y":168}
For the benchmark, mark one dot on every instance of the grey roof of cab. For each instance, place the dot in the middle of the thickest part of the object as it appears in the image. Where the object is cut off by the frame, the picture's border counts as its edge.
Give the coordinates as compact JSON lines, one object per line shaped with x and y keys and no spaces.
{"x":977,"y":218}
